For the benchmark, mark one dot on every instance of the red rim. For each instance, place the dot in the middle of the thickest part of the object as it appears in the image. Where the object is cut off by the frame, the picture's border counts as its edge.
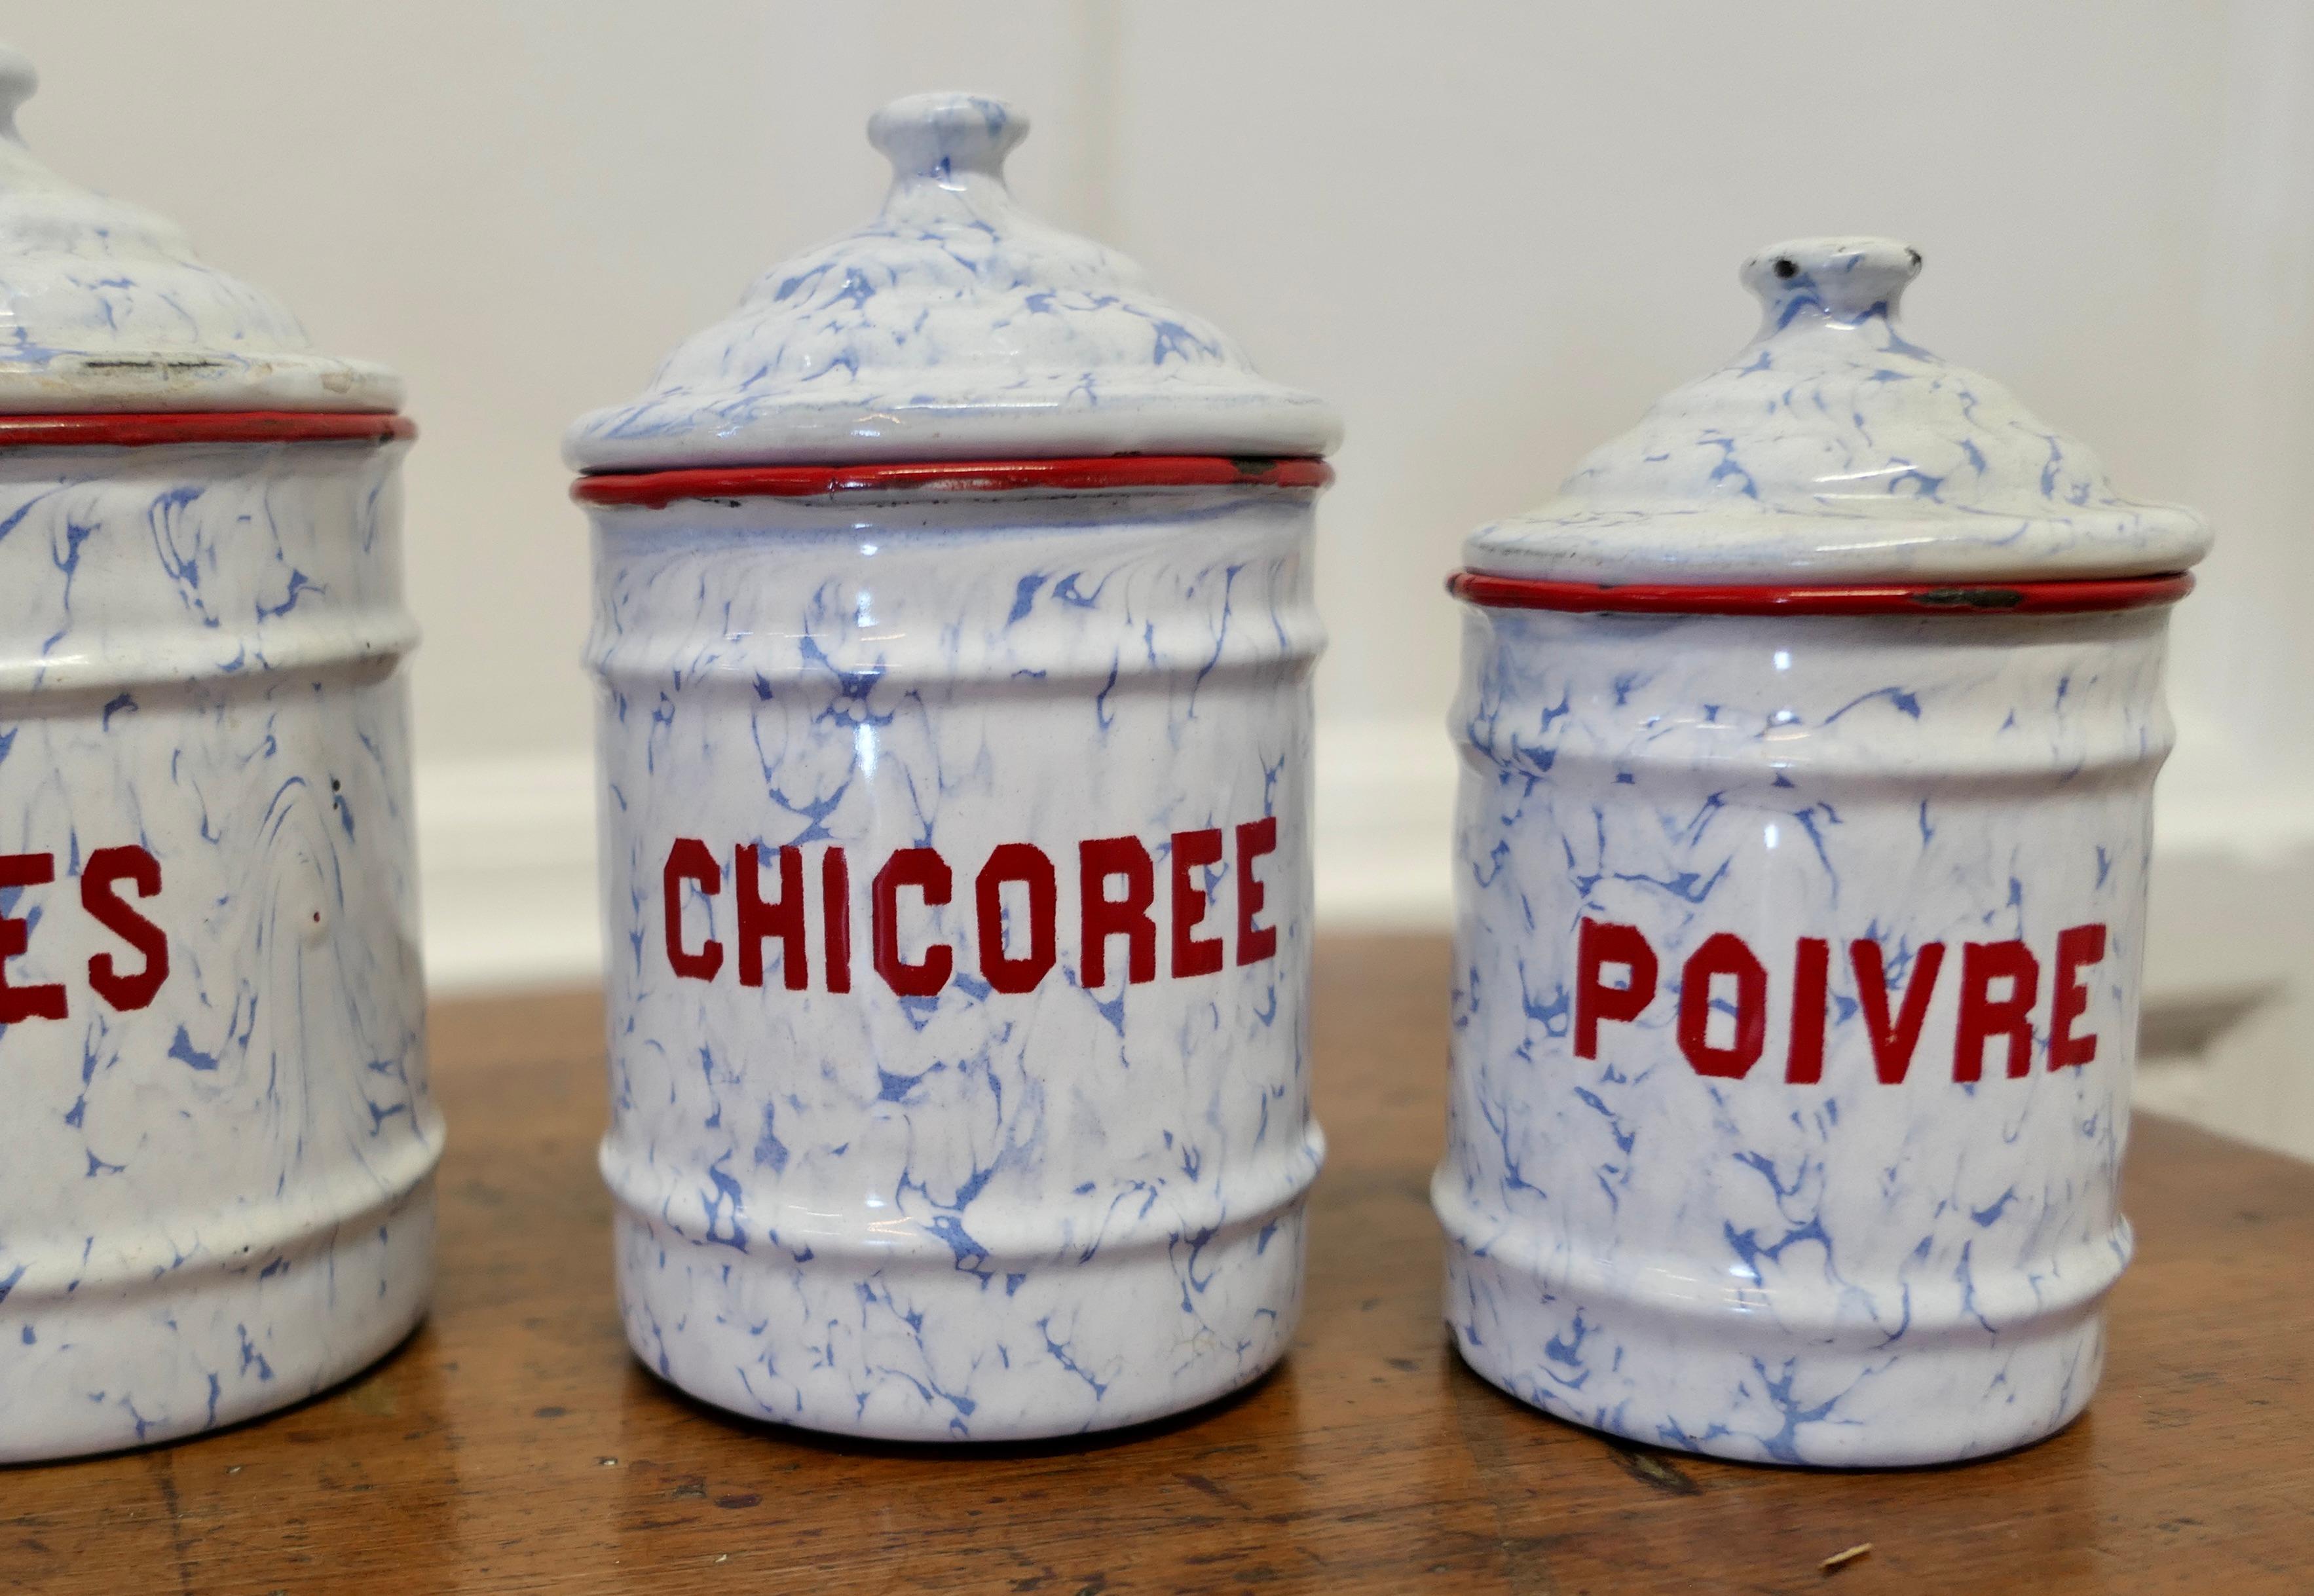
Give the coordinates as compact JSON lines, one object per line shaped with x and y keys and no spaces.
{"x":1910,"y":598}
{"x":653,"y":490}
{"x":143,"y":429}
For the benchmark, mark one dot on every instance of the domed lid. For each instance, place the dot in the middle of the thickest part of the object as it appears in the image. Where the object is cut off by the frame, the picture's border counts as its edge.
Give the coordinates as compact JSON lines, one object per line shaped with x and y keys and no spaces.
{"x":1832,"y":450}
{"x":104,"y":307}
{"x":953,"y":326}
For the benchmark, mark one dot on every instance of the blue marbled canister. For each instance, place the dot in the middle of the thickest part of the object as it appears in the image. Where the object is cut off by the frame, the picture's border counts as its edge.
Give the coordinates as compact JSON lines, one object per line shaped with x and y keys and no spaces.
{"x":216,"y":1157}
{"x":1808,"y":743}
{"x":955,"y":741}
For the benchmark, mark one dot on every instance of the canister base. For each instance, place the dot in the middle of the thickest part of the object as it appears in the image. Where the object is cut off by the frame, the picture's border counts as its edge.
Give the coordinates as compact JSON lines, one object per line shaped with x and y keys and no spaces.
{"x":107,"y":1367}
{"x":942,"y":1351}
{"x":1740,"y":1386}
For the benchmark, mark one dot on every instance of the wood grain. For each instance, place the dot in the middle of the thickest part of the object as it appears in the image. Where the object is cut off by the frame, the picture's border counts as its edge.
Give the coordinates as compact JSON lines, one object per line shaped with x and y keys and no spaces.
{"x":514,"y":1445}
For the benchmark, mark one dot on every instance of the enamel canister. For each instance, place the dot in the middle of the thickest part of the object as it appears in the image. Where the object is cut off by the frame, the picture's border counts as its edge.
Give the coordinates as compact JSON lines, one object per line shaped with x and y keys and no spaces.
{"x":1808,"y":740}
{"x":953,"y":628}
{"x":215,"y":1166}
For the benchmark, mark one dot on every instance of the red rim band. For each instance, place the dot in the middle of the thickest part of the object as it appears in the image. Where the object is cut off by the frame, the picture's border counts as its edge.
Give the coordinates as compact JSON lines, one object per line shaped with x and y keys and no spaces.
{"x":1909,"y":598}
{"x":654,"y":490}
{"x":132,"y":429}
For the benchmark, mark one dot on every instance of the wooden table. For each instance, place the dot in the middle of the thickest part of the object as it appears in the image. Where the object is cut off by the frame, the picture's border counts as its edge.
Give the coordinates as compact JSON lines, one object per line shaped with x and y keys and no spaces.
{"x":514,"y":1445}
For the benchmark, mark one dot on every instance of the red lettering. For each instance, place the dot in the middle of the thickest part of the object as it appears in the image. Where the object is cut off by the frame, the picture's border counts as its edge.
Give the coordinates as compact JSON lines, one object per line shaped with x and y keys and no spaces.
{"x":1803,"y":1058}
{"x":1103,"y":917}
{"x":688,"y":860}
{"x":783,"y":918}
{"x":925,"y":870}
{"x":1723,"y":953}
{"x":1016,"y":862}
{"x":1981,"y":1018}
{"x":20,"y":1003}
{"x":1255,"y":840}
{"x":1893,"y":1045}
{"x":2077,"y":944}
{"x":836,"y":918}
{"x":1894,"y":1021}
{"x":109,"y":909}
{"x":1599,"y":944}
{"x":1192,"y":852}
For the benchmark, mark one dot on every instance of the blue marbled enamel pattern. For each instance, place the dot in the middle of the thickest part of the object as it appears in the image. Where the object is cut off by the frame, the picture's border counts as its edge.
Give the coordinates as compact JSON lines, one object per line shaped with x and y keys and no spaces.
{"x":216,"y":1200}
{"x":103,"y":307}
{"x":1846,"y":1271}
{"x":964,"y":1214}
{"x":1797,"y":954}
{"x":1834,"y":448}
{"x":954,"y":325}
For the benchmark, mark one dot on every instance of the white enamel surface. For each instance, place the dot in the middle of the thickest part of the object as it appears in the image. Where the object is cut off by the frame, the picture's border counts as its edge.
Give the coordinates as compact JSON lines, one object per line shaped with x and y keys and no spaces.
{"x":1846,"y":1272}
{"x":1832,"y":449}
{"x":219,"y":1202}
{"x":977,"y":1214}
{"x":104,"y":307}
{"x":954,"y":325}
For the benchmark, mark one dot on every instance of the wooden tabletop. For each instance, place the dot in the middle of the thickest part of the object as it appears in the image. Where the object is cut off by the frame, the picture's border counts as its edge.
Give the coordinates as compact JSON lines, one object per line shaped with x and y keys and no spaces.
{"x":514,"y":1445}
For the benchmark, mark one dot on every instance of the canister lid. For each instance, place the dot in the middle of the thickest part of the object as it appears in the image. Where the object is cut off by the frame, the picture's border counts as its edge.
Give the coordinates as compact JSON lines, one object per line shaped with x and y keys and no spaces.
{"x":1832,"y":449}
{"x":953,"y":326}
{"x":104,"y":307}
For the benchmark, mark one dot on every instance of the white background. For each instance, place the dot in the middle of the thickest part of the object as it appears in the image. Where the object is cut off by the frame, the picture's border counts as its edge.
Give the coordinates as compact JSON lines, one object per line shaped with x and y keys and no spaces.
{"x":1489,"y":232}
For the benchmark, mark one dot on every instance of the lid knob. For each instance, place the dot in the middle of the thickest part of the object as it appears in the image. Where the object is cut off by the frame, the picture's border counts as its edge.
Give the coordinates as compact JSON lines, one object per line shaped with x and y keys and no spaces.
{"x":946,"y":135}
{"x":1845,"y":278}
{"x":17,"y":80}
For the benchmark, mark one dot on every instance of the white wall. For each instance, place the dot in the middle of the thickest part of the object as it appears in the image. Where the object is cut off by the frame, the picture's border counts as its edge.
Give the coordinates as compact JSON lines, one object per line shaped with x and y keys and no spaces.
{"x":1490,"y":232}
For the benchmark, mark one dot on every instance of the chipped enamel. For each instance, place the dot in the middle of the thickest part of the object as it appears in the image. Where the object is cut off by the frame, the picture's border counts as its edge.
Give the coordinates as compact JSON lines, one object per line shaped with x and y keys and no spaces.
{"x":103,"y":307}
{"x":956,"y":1213}
{"x":216,"y":1166}
{"x":1891,"y":1262}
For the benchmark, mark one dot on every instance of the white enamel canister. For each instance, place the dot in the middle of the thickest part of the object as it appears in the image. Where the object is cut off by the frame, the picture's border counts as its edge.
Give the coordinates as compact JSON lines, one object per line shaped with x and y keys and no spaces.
{"x":953,"y":625}
{"x":215,"y":1165}
{"x":1808,"y":743}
